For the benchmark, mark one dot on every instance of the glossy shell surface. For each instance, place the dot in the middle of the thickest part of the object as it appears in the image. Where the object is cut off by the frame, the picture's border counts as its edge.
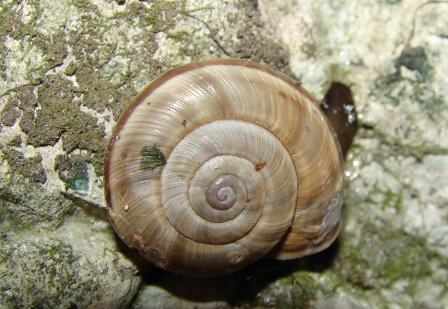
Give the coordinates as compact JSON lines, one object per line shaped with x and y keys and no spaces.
{"x":217,"y":163}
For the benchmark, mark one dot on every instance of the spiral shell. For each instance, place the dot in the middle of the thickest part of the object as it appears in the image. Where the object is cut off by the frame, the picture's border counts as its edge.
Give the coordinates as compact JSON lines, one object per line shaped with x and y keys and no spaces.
{"x":217,"y":163}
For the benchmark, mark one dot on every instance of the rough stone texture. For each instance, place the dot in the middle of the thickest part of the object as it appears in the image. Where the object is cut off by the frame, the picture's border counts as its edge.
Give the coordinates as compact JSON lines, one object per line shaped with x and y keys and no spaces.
{"x":69,"y":68}
{"x":393,"y":247}
{"x":46,"y":270}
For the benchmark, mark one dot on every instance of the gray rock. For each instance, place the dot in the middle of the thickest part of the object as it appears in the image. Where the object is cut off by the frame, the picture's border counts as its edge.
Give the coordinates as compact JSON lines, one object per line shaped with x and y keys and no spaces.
{"x":68,"y":70}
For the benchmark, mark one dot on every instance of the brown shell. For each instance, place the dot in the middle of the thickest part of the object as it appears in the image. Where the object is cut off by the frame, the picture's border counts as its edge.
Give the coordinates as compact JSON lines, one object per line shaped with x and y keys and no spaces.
{"x":217,"y":162}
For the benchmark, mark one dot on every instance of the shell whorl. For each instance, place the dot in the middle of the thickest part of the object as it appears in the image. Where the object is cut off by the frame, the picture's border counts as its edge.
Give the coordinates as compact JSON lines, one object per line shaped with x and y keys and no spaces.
{"x":215,"y":163}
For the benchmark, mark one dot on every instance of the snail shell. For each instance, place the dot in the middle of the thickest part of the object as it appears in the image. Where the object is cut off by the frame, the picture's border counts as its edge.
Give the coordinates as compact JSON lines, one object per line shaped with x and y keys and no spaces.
{"x":217,"y":163}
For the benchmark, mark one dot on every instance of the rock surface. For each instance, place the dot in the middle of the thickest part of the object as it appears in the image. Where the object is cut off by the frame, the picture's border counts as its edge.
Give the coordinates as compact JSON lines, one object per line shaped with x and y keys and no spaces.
{"x":69,"y":68}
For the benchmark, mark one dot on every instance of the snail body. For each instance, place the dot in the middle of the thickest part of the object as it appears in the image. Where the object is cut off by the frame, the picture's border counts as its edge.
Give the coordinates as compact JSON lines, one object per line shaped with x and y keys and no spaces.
{"x":217,"y":163}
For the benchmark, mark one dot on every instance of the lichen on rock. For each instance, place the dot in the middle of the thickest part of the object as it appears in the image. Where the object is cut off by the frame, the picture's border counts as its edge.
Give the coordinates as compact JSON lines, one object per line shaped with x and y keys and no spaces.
{"x":68,"y":70}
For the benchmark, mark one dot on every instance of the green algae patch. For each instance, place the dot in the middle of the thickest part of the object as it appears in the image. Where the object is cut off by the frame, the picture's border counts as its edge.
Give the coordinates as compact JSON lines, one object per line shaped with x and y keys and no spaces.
{"x":415,"y":59}
{"x":52,"y":266}
{"x":386,"y":257}
{"x":54,"y":114}
{"x":299,"y":290}
{"x":30,"y":168}
{"x":24,"y":204}
{"x":10,"y":113}
{"x":73,"y":172}
{"x":407,"y":258}
{"x":58,"y":116}
{"x":152,"y":157}
{"x":304,"y":288}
